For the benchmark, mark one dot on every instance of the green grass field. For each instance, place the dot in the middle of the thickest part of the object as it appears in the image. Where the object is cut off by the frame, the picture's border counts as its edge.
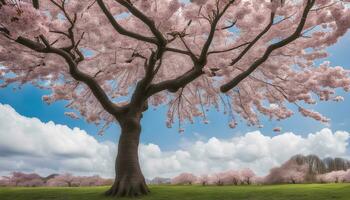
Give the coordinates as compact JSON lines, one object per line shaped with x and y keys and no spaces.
{"x":276,"y":192}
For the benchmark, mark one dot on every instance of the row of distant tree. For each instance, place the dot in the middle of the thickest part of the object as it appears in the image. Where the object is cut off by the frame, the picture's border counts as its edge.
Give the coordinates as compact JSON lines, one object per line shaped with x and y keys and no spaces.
{"x":19,"y":179}
{"x":299,"y":169}
{"x":309,"y":169}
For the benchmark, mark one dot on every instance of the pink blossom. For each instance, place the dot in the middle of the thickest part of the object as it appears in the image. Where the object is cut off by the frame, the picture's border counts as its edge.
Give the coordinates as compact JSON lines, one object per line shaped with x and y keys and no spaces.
{"x":184,"y":179}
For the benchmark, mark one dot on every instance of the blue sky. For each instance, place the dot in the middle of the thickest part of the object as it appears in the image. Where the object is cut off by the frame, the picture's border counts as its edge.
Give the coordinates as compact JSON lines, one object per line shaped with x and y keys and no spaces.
{"x":27,"y":101}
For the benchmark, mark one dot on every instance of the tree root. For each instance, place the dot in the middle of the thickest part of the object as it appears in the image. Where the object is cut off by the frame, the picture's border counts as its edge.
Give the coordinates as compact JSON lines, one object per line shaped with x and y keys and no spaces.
{"x":123,"y":188}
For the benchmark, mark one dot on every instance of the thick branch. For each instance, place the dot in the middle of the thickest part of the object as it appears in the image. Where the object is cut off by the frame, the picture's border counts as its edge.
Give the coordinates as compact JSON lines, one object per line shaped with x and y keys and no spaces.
{"x":78,"y":75}
{"x":139,"y":98}
{"x":256,"y":39}
{"x":216,"y":20}
{"x":122,"y":30}
{"x":149,"y":22}
{"x":36,"y":4}
{"x":174,"y":85}
{"x":233,"y":83}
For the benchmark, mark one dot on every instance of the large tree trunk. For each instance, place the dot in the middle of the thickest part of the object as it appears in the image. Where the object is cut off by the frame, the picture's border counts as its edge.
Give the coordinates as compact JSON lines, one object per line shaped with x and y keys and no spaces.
{"x":129,"y":179}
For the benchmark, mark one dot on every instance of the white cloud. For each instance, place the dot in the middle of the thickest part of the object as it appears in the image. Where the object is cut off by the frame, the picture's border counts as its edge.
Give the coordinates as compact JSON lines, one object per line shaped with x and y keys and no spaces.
{"x":253,"y":150}
{"x":27,"y":144}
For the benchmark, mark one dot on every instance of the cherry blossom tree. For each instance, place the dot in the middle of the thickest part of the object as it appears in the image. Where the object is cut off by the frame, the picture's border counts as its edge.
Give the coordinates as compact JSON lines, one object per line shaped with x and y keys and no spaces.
{"x":92,"y":181}
{"x":333,"y":177}
{"x":289,"y":172}
{"x":184,"y":178}
{"x":66,"y":180}
{"x":112,"y":59}
{"x":203,"y":179}
{"x":37,"y":182}
{"x":219,"y":178}
{"x":346,"y":176}
{"x":55,"y":183}
{"x":258,"y":180}
{"x":24,"y":180}
{"x":231,"y":177}
{"x":297,"y":174}
{"x":4,"y":181}
{"x":247,"y":175}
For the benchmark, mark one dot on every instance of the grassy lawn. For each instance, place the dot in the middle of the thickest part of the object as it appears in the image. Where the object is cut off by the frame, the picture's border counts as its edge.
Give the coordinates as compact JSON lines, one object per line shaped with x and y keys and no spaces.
{"x":276,"y":192}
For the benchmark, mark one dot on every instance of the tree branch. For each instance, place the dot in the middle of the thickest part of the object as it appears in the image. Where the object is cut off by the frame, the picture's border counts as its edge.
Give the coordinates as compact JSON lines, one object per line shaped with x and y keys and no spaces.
{"x":175,"y":84}
{"x":233,"y":83}
{"x":216,"y":20}
{"x":36,"y":4}
{"x":78,"y":75}
{"x":122,"y":30}
{"x":149,"y":22}
{"x":256,"y":39}
{"x":229,"y":49}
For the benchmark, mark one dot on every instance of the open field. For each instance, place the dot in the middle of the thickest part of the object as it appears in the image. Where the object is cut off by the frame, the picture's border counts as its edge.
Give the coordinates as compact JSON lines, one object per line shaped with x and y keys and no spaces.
{"x":275,"y":192}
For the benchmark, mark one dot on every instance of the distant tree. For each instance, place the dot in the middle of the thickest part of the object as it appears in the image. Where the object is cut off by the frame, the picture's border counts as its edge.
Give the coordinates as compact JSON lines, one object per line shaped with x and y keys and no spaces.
{"x":217,"y":178}
{"x":56,"y":183}
{"x":297,"y":174}
{"x":289,"y":172}
{"x":4,"y":181}
{"x":258,"y":180}
{"x":347,"y":176}
{"x":333,"y":177}
{"x":36,"y":182}
{"x":108,"y":182}
{"x":248,"y":57}
{"x":336,"y":164}
{"x":247,"y":175}
{"x":89,"y":181}
{"x":93,"y":181}
{"x":25,"y":180}
{"x":68,"y":180}
{"x":231,"y":177}
{"x":315,"y":164}
{"x":203,"y":179}
{"x":63,"y":180}
{"x":184,"y":179}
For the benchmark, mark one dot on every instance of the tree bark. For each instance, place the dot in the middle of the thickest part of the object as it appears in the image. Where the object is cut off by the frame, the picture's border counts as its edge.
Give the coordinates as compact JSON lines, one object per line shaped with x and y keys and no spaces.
{"x":129,"y":180}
